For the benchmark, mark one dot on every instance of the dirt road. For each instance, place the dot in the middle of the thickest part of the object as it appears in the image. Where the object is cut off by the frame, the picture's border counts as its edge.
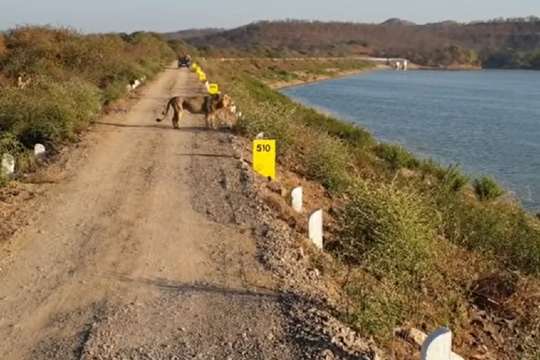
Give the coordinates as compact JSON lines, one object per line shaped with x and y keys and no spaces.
{"x":139,"y":253}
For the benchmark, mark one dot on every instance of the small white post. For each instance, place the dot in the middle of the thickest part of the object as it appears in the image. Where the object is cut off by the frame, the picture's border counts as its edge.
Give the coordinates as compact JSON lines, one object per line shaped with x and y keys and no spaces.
{"x":259,"y":136}
{"x":8,"y":164}
{"x":438,"y":346}
{"x":316,"y":229}
{"x":297,"y":199}
{"x":39,"y":150}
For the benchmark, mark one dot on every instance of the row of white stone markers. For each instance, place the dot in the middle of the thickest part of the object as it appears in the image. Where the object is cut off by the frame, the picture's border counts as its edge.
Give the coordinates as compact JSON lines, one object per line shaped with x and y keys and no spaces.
{"x":315,"y":220}
{"x":9,"y":162}
{"x":437,"y":346}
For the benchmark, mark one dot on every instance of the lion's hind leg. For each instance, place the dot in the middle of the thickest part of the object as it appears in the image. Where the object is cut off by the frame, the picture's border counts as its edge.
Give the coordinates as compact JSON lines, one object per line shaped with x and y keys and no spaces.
{"x":178,"y":111}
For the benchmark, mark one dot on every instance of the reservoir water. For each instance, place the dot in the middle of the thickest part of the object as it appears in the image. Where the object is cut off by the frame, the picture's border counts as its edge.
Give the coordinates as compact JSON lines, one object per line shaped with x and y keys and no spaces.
{"x":488,"y":122}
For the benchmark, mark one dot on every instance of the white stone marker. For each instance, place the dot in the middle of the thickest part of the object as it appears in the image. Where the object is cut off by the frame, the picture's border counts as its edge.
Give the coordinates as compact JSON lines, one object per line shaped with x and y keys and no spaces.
{"x":39,"y":150}
{"x":297,"y":199}
{"x":438,"y":346}
{"x":8,"y":164}
{"x":260,"y":136}
{"x":316,"y":229}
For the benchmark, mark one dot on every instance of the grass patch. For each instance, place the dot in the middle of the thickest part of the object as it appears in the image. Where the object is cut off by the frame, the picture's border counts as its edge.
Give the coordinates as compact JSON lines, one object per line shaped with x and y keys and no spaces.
{"x":487,"y":189}
{"x":396,"y":156}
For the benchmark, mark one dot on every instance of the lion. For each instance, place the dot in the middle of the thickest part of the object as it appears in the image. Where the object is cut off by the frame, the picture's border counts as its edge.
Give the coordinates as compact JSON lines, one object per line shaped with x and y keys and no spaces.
{"x":206,"y":105}
{"x":224,"y":117}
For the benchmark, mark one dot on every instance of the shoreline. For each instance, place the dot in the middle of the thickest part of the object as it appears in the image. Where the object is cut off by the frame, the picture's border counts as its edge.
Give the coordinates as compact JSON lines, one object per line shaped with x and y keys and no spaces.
{"x":510,"y":193}
{"x":280,"y":85}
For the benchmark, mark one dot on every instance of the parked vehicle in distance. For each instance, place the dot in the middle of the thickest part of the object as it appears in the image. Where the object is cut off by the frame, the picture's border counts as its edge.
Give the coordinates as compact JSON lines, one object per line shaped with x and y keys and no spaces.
{"x":184,"y":61}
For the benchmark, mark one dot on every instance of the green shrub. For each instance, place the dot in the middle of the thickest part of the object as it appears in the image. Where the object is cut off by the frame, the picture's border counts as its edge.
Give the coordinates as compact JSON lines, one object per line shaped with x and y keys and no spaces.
{"x":501,"y":230}
{"x":452,"y":179}
{"x":3,"y":180}
{"x":388,"y":231}
{"x":48,"y":112}
{"x":9,"y":143}
{"x":391,"y":234}
{"x":273,"y":120}
{"x":487,"y":189}
{"x":326,"y":160}
{"x":377,"y":310}
{"x":396,"y":156}
{"x":103,"y":59}
{"x":114,"y":91}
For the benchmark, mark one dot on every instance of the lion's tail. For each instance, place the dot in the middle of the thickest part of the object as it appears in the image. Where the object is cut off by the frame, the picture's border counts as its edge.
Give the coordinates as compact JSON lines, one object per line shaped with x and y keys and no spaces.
{"x":167,"y":108}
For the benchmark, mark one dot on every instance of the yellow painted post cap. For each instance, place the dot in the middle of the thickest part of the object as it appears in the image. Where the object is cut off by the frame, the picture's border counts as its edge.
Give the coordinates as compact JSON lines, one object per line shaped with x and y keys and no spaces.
{"x":213,"y":89}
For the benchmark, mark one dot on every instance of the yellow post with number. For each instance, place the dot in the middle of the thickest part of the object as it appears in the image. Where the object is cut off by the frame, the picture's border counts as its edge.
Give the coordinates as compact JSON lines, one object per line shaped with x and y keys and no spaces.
{"x":264,"y":158}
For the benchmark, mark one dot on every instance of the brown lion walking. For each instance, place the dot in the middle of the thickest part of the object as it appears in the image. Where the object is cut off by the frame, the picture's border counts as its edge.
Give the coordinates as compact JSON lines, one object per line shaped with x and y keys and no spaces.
{"x":206,"y":105}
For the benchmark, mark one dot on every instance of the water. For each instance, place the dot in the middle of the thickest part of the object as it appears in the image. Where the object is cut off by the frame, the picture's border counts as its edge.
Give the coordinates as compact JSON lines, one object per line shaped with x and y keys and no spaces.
{"x":488,"y":122}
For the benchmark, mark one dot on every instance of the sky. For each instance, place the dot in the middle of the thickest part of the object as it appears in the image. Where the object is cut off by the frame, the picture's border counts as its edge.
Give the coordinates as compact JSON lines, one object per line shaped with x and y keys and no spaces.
{"x":169,"y":15}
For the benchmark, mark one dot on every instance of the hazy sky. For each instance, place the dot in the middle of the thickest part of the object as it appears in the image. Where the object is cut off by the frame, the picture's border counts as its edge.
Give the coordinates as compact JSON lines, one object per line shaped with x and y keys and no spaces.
{"x":167,"y":15}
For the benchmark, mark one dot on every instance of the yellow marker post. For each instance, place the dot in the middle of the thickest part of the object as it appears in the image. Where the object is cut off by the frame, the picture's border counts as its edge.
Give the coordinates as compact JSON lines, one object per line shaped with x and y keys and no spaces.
{"x":264,"y":158}
{"x":202,"y":77}
{"x":213,"y":89}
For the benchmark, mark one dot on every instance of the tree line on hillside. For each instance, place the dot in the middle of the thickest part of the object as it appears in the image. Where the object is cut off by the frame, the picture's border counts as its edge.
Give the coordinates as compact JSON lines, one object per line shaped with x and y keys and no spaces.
{"x":499,"y":43}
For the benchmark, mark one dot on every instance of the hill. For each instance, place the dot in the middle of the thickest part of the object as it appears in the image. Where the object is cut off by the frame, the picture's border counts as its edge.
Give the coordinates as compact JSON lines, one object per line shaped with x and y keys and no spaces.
{"x":501,"y":43}
{"x":191,"y":33}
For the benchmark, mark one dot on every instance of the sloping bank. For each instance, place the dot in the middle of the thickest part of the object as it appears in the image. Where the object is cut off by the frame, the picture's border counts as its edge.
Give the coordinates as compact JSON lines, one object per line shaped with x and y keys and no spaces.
{"x":55,"y":82}
{"x":413,"y":244}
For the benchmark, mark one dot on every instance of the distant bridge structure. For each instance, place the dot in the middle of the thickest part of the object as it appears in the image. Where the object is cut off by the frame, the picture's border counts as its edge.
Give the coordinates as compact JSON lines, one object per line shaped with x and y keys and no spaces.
{"x":395,"y":63}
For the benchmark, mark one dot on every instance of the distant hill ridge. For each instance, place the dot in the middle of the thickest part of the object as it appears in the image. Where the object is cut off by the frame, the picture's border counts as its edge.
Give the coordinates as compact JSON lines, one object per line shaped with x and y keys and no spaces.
{"x":397,"y":21}
{"x":192,"y":33}
{"x":495,"y":43}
